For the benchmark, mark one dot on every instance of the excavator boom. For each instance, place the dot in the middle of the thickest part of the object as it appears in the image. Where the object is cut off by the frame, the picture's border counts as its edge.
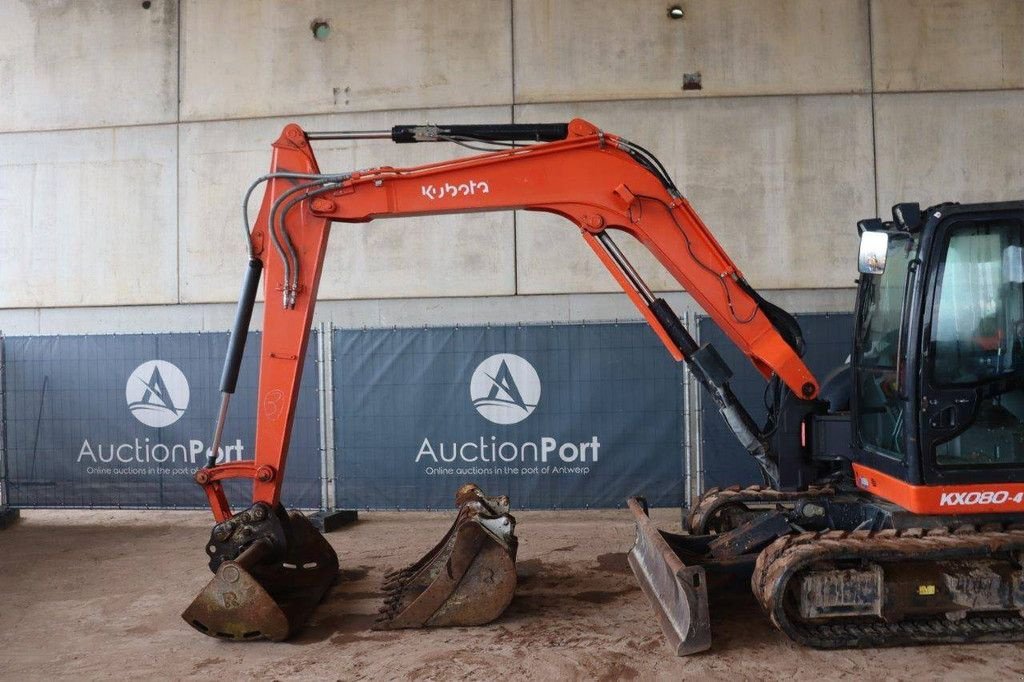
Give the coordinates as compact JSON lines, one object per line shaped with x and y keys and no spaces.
{"x":601,"y":183}
{"x":598,"y":181}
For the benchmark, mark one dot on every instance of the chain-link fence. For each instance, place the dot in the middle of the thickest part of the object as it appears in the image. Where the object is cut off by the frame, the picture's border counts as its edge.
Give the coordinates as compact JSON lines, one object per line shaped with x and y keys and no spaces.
{"x":125,"y":420}
{"x":557,"y":416}
{"x":554,"y":415}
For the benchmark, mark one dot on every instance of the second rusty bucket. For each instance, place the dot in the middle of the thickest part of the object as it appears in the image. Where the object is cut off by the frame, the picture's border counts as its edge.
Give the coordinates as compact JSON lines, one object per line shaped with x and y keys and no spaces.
{"x":468,"y":578}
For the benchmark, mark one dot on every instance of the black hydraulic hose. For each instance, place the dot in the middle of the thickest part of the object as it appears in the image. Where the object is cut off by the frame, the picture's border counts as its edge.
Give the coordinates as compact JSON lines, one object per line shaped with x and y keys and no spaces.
{"x":651,"y":163}
{"x":272,"y":226}
{"x":256,"y":183}
{"x":657,"y":162}
{"x":317,"y":180}
{"x":292,"y":281}
{"x":287,"y":258}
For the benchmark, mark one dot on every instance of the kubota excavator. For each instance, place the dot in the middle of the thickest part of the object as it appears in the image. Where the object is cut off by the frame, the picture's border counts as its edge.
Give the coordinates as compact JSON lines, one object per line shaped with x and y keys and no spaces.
{"x":892,"y":510}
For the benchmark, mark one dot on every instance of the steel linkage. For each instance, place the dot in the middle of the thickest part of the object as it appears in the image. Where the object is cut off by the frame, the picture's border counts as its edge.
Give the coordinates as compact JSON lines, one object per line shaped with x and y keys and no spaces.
{"x":720,"y":510}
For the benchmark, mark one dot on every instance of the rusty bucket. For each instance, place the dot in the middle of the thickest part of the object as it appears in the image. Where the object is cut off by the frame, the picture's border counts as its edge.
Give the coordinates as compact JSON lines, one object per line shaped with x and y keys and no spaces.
{"x":264,"y":592}
{"x":468,"y":578}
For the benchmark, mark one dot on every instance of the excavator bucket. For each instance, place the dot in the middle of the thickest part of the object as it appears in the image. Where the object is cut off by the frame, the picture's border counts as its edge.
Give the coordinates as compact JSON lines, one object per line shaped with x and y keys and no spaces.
{"x":468,"y":578}
{"x":260,"y":595}
{"x":677,"y":593}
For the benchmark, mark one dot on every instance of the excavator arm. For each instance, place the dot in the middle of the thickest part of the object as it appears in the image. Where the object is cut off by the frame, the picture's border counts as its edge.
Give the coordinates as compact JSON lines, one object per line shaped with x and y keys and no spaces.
{"x":598,"y":181}
{"x":271,"y":566}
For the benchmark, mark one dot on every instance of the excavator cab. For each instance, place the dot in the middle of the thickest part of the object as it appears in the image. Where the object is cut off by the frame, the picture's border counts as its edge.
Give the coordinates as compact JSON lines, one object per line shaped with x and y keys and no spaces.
{"x":938,"y":356}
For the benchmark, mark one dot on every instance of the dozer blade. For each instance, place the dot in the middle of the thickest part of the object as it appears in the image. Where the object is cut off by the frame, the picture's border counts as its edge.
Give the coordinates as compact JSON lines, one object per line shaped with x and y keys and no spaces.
{"x":466,"y":579}
{"x":259,"y":596}
{"x":677,"y":593}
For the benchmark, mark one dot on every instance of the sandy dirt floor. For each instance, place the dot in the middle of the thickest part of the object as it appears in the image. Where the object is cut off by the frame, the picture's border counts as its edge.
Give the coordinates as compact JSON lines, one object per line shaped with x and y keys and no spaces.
{"x":97,"y":595}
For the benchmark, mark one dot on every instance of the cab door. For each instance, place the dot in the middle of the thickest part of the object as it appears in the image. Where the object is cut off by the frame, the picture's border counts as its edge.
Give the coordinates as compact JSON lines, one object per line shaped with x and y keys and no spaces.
{"x":882,"y":415}
{"x":971,"y":420}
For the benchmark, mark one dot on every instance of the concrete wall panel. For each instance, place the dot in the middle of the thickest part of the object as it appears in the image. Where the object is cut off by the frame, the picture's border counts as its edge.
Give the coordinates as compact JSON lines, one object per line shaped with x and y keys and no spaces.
{"x":947,"y":45}
{"x":935,"y":147}
{"x":609,"y":49}
{"x":67,"y":64}
{"x":88,"y":217}
{"x":259,"y":57}
{"x":19,"y":321}
{"x":780,"y":181}
{"x":377,"y":313}
{"x":464,"y":255}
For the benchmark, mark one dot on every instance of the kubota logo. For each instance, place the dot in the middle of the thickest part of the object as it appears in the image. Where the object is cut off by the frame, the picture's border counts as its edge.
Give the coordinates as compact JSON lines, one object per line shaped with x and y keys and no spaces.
{"x":157,"y":393}
{"x":464,"y":189}
{"x":505,"y":389}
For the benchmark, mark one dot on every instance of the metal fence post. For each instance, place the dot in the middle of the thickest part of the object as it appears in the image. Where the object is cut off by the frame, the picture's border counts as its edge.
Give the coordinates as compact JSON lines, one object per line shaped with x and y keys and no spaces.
{"x":685,"y":445}
{"x":328,"y":398}
{"x":329,"y":517}
{"x":7,"y":515}
{"x":321,"y":365}
{"x":695,"y":482}
{"x":3,"y":427}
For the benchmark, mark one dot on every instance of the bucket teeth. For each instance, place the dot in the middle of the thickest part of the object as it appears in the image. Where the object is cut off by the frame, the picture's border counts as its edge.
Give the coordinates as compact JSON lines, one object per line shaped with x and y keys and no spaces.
{"x":468,"y":578}
{"x":396,"y":579}
{"x":264,"y":594}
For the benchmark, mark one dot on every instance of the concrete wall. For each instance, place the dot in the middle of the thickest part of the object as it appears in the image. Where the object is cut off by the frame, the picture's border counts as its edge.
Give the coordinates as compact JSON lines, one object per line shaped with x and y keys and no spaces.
{"x":128,"y":134}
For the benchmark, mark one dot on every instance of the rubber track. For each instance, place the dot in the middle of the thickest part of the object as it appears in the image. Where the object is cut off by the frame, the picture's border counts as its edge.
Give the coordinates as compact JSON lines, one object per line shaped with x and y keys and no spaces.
{"x":716,"y":498}
{"x":787,"y":557}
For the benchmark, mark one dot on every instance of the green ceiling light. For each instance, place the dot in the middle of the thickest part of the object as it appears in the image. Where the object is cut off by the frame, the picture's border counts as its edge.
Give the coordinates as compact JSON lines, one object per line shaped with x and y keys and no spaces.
{"x":675,"y":12}
{"x":321,"y":29}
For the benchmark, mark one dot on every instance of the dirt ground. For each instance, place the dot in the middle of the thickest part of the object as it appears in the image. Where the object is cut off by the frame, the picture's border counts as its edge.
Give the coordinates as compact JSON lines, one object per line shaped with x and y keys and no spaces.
{"x":97,"y":595}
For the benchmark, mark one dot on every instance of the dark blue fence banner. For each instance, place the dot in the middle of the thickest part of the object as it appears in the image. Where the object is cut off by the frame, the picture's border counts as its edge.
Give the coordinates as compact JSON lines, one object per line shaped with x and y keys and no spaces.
{"x":560,"y":416}
{"x":125,"y":421}
{"x":829,"y":341}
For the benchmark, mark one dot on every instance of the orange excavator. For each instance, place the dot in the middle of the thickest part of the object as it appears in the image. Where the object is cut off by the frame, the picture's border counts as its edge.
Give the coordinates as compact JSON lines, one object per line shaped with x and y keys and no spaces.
{"x":892,"y":510}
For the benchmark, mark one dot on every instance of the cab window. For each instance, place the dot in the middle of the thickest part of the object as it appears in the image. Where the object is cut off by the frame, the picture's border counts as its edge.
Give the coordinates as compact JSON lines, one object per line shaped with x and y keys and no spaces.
{"x":881,"y":413}
{"x":977,"y":340}
{"x":979,"y":316}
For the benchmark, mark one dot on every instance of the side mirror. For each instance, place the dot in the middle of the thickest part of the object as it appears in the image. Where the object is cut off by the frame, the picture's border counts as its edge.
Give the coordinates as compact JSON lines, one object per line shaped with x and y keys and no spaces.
{"x":873,"y":248}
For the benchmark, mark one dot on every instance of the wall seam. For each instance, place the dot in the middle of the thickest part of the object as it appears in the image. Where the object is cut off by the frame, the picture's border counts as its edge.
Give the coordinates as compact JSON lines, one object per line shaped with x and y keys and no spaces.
{"x":620,"y":100}
{"x":871,"y":84}
{"x":177,"y":169}
{"x":367,"y":299}
{"x":512,"y":98}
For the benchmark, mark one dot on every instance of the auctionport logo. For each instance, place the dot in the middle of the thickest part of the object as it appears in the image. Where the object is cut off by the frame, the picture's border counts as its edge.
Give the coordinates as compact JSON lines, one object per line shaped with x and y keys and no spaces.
{"x":505,"y":389}
{"x":157,"y":393}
